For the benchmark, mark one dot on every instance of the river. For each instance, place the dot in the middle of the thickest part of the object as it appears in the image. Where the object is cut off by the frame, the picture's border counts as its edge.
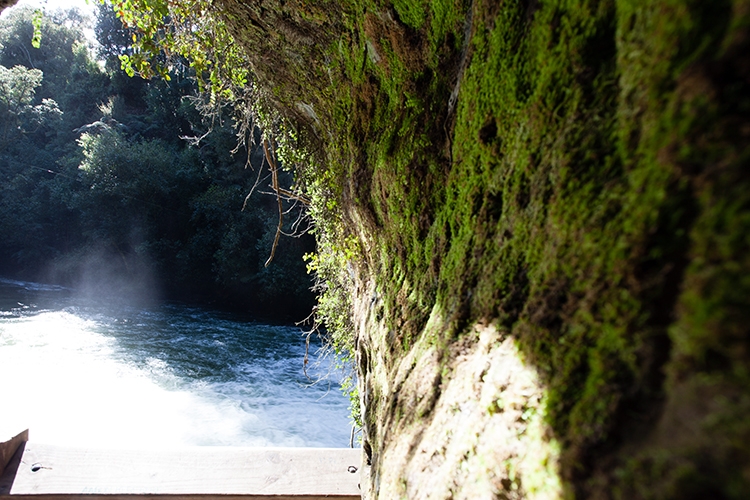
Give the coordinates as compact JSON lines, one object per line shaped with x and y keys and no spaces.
{"x":77,"y":371}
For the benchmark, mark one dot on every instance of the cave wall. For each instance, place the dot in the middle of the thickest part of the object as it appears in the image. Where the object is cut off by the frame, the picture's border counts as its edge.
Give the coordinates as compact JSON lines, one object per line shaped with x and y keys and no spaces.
{"x":540,"y":215}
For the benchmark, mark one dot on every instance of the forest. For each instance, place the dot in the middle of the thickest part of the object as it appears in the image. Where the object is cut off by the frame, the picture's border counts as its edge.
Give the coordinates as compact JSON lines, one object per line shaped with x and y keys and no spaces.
{"x":121,"y":186}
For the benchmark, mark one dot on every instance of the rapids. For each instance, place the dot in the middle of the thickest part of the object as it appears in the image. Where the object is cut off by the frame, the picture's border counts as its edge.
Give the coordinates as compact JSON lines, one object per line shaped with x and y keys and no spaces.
{"x":78,"y":371}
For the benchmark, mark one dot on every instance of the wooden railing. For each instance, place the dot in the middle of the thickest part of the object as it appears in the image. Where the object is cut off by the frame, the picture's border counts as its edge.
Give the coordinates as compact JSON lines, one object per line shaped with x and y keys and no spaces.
{"x":45,"y":472}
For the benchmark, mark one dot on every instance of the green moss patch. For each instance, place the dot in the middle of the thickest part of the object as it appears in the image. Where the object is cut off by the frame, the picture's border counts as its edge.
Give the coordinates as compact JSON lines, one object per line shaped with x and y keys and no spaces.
{"x":574,"y":173}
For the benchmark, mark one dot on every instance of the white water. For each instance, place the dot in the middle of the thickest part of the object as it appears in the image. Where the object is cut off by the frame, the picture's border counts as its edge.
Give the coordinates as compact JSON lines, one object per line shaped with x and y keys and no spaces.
{"x":82,"y":374}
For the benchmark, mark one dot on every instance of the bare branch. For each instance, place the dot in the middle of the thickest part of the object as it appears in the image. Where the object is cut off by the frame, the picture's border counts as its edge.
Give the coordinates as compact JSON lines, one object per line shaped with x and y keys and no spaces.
{"x":275,"y":178}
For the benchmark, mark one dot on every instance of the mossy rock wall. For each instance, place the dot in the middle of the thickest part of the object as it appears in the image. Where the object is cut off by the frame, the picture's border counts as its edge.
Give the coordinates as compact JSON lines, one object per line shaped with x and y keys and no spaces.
{"x":541,"y":212}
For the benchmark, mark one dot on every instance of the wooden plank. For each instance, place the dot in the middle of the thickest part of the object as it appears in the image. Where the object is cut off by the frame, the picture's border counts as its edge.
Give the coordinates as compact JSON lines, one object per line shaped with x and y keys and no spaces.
{"x":8,"y":448}
{"x":52,"y":472}
{"x":176,"y":497}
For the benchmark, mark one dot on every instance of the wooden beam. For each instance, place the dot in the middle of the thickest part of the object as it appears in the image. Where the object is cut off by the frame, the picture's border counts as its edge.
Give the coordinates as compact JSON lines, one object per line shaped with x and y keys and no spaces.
{"x":8,"y":448}
{"x":177,"y":497}
{"x":48,"y":472}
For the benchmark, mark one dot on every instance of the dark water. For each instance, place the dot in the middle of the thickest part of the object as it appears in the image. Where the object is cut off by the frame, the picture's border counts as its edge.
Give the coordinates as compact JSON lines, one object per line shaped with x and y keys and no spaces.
{"x":80,"y":371}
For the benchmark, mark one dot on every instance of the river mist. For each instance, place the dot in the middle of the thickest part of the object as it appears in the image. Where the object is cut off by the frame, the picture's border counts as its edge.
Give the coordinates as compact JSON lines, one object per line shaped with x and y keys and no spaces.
{"x":77,"y":371}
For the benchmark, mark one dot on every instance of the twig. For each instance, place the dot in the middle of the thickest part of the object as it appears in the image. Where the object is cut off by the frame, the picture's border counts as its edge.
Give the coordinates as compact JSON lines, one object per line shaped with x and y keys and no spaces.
{"x":275,"y":180}
{"x":293,"y":196}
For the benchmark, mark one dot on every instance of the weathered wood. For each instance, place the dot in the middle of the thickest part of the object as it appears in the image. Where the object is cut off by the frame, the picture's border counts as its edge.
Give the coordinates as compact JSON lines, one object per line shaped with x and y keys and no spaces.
{"x":8,"y":448}
{"x":48,"y":472}
{"x":177,"y":497}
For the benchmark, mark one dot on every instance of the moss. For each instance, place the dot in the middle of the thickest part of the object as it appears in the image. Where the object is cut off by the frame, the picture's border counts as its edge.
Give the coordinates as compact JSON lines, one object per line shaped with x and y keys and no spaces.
{"x":412,"y":14}
{"x":586,"y":191}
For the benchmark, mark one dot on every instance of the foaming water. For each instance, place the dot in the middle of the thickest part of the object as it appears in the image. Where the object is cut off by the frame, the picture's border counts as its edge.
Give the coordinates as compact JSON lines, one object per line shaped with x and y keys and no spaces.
{"x":78,"y":373}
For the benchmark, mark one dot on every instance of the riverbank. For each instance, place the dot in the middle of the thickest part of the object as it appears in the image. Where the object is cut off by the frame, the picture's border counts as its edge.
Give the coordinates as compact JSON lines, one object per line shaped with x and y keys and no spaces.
{"x":139,"y":287}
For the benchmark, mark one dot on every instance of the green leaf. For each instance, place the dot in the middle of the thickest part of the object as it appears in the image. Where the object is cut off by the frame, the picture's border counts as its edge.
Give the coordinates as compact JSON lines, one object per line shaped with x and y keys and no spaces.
{"x":36,"y":21}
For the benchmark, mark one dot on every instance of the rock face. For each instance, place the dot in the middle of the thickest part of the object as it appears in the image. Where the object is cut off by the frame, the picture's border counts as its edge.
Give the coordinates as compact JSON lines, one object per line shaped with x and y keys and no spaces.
{"x":462,"y":423}
{"x":533,"y":217}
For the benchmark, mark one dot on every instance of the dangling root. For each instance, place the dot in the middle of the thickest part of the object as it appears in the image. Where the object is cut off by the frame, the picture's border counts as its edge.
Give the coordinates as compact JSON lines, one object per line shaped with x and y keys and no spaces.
{"x":275,"y":184}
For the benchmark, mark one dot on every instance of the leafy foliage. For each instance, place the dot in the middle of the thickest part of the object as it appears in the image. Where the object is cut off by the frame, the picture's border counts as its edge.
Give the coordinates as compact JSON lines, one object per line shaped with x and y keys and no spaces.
{"x":17,"y":113}
{"x":162,"y":31}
